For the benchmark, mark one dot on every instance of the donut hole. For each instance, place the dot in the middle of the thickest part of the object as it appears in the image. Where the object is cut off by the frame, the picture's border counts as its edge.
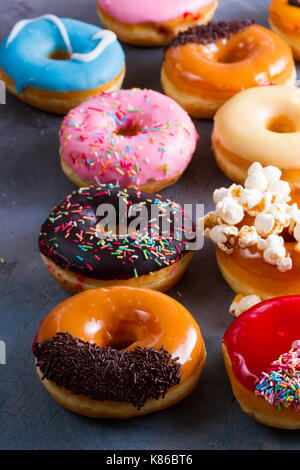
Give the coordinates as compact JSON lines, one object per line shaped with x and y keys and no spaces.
{"x":233,"y":55}
{"x":59,"y":55}
{"x":129,"y":131}
{"x":281,"y":125}
{"x":121,"y":338}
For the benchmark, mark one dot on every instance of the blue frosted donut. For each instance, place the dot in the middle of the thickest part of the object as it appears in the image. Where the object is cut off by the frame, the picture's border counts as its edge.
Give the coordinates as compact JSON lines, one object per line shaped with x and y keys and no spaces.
{"x":56,"y":63}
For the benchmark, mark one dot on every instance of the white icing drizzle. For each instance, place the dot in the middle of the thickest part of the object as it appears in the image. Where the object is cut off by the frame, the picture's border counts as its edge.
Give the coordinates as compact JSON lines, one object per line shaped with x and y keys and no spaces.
{"x":106,"y":37}
{"x":20,"y":25}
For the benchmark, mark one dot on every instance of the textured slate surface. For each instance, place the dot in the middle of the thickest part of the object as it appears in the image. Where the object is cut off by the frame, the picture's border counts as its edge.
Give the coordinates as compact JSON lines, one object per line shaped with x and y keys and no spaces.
{"x":31,"y":183}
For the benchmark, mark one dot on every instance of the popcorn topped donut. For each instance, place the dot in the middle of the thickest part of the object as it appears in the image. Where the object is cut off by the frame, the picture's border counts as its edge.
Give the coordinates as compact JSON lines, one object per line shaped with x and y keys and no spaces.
{"x":255,"y":215}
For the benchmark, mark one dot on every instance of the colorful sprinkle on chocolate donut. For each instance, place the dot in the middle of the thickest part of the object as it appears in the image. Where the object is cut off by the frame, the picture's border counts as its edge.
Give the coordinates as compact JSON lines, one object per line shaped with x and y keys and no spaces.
{"x":70,"y":237}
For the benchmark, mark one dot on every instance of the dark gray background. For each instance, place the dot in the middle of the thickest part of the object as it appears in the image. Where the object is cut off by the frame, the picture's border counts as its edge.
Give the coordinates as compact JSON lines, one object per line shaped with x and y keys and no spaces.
{"x":31,"y":184}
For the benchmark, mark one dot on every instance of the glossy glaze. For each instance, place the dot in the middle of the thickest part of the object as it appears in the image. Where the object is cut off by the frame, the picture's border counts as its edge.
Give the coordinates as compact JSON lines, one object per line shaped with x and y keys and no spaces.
{"x":260,"y":335}
{"x":286,"y":17}
{"x":255,"y":56}
{"x":26,"y":58}
{"x":130,"y":317}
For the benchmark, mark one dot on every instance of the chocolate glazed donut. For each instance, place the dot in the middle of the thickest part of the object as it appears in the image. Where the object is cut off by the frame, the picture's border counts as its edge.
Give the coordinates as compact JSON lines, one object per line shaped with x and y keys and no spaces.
{"x":70,"y":245}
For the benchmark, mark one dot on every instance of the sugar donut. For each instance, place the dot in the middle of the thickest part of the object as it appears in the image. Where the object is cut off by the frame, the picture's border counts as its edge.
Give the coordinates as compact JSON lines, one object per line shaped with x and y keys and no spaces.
{"x":81,"y":254}
{"x":149,"y":23}
{"x":256,"y":230}
{"x":135,"y":138}
{"x":100,"y":353}
{"x":261,"y":124}
{"x":206,"y":65}
{"x":284,"y":19}
{"x":265,"y":379}
{"x":56,"y":63}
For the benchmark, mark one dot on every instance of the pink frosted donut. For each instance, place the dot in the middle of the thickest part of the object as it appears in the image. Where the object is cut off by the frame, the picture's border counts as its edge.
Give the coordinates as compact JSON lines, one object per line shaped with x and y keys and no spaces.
{"x":153,"y":22}
{"x":134,"y":138}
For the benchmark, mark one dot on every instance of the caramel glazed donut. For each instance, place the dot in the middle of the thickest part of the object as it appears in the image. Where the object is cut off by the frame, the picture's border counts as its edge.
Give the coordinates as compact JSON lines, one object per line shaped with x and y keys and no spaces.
{"x":57,"y":63}
{"x":206,"y":65}
{"x":256,"y":229}
{"x":259,"y":125}
{"x":284,"y":19}
{"x":152,"y":23}
{"x":83,"y":250}
{"x":265,"y":379}
{"x":119,"y":352}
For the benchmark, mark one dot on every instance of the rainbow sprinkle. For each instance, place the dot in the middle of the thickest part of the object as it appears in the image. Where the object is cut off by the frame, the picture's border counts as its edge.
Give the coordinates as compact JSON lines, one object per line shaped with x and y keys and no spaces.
{"x":70,"y":235}
{"x":280,"y":385}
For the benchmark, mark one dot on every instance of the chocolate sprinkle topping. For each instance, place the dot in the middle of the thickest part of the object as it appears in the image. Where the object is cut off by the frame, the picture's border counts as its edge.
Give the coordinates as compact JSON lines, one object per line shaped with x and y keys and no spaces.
{"x":131,"y":376}
{"x":206,"y":34}
{"x":294,"y":3}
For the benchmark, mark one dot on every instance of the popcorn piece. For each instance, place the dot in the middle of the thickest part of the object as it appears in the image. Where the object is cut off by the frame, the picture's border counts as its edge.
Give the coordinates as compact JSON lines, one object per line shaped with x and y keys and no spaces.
{"x":294,"y":212}
{"x":251,"y":198}
{"x":265,"y":198}
{"x":230,"y":211}
{"x":255,"y":168}
{"x":272,"y":173}
{"x":282,"y":190}
{"x":219,"y":194}
{"x":248,"y":236}
{"x":285,"y":264}
{"x":256,"y":181}
{"x":207,"y":222}
{"x":264,"y":224}
{"x":297,"y":231}
{"x":224,"y":236}
{"x":274,"y":254}
{"x":241,"y":303}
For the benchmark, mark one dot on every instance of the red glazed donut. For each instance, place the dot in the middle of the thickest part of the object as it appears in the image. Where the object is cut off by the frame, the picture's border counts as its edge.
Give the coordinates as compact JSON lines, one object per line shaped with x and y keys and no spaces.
{"x":262,"y":358}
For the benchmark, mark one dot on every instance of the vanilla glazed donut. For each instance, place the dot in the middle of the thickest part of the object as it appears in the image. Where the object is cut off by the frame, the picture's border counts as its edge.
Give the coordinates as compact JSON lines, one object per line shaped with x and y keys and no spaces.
{"x":284,"y":19}
{"x":83,"y":250}
{"x":56,"y":63}
{"x":134,"y":138}
{"x":256,"y":230}
{"x":149,"y":23}
{"x":261,"y":351}
{"x":119,"y":352}
{"x":261,"y":124}
{"x":205,"y":66}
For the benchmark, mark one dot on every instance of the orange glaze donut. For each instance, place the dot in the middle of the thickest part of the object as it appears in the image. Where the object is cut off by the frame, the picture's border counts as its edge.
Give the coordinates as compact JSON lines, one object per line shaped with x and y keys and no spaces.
{"x":261,"y":124}
{"x":284,"y":19}
{"x":152,"y":23}
{"x":256,"y":230}
{"x":206,"y":65}
{"x":107,"y":360}
{"x":265,"y":379}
